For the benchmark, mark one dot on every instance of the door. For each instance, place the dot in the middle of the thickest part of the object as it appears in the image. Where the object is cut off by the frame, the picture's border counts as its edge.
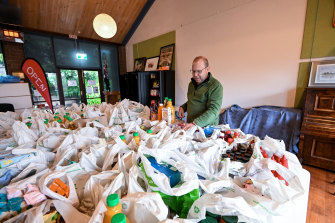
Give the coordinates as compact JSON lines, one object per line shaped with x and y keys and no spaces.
{"x":71,"y":87}
{"x":81,"y":86}
{"x":92,"y":87}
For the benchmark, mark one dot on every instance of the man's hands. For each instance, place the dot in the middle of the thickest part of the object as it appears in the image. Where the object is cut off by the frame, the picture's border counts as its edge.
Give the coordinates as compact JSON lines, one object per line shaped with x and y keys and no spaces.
{"x":182,"y":115}
{"x":181,"y":112}
{"x":188,"y":126}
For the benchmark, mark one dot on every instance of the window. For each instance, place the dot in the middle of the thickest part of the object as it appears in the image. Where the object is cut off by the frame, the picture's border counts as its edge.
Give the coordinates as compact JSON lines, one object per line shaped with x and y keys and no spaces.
{"x":73,"y":80}
{"x":39,"y":47}
{"x":109,"y":59}
{"x":66,"y":49}
{"x":53,"y":87}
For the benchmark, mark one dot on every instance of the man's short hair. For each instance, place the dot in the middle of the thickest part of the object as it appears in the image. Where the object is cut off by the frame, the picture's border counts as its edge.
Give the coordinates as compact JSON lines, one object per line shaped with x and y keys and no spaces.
{"x":203,"y":59}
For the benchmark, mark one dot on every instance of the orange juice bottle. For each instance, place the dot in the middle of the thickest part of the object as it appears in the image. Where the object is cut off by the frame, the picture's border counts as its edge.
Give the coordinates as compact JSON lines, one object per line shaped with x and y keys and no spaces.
{"x":136,"y":138}
{"x":165,"y":101}
{"x":113,"y":207}
{"x":173,"y":116}
{"x":120,"y":218}
{"x":166,"y":115}
{"x":160,"y":110}
{"x":149,"y":131}
{"x":65,"y":119}
{"x":123,"y":138}
{"x":29,"y":124}
{"x":71,"y":124}
{"x":60,"y":123}
{"x":46,"y":122}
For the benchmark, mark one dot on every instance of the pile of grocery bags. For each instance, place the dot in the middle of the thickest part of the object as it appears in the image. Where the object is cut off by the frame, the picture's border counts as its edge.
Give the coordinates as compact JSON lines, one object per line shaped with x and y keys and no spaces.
{"x":52,"y":173}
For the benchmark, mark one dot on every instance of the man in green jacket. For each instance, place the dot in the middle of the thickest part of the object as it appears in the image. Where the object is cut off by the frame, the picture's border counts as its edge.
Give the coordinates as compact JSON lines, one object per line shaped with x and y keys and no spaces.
{"x":204,"y":96}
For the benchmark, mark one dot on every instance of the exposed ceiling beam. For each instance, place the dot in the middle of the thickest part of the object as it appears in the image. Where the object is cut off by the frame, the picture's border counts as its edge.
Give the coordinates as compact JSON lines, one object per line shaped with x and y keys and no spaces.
{"x":138,"y":21}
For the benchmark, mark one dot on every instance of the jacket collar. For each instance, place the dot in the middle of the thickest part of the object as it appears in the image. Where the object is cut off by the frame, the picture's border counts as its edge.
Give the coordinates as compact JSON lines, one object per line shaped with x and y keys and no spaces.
{"x":203,"y":83}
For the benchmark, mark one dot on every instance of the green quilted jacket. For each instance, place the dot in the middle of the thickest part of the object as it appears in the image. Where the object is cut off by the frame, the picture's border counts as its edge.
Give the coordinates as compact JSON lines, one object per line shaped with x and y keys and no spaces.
{"x":204,"y":102}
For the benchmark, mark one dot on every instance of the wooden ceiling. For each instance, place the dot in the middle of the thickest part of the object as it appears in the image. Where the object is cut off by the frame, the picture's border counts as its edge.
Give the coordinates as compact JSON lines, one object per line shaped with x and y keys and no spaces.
{"x":75,"y":17}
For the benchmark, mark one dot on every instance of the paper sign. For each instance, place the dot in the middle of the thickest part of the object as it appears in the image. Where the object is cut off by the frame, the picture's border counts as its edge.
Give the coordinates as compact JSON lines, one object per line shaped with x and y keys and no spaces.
{"x":36,"y":93}
{"x":33,"y":70}
{"x":89,"y":90}
{"x":92,"y":82}
{"x":96,"y":89}
{"x":71,"y":83}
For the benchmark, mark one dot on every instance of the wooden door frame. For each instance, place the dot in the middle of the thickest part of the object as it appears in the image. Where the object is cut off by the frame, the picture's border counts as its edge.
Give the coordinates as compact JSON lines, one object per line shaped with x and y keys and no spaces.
{"x":81,"y":84}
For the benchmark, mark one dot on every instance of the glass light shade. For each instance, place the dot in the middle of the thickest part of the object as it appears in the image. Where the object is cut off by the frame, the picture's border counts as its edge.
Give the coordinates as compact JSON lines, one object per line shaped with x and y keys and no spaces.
{"x":104,"y":25}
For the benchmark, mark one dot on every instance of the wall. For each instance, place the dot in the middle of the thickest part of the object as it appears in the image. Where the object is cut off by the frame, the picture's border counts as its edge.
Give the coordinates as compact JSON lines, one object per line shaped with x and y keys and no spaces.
{"x":253,"y":46}
{"x":14,"y":56}
{"x":318,"y":43}
{"x":151,"y":47}
{"x":319,"y":33}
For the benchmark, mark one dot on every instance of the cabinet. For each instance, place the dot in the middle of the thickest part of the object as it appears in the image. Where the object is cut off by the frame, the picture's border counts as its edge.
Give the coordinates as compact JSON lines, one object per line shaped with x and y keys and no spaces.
{"x":148,"y":85}
{"x":17,"y":94}
{"x":317,"y":139}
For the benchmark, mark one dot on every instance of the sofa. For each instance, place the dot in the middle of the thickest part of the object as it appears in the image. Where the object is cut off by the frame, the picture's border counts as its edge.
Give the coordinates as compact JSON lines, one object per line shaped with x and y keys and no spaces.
{"x":277,"y":122}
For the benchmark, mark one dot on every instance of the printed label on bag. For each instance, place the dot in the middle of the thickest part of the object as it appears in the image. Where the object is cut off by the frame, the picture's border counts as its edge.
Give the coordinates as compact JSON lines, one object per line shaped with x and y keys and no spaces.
{"x":196,"y":209}
{"x":267,"y":210}
{"x":125,"y":206}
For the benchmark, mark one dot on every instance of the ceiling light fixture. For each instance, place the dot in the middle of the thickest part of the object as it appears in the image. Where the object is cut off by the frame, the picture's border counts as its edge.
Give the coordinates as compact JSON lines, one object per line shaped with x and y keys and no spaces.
{"x":104,"y":25}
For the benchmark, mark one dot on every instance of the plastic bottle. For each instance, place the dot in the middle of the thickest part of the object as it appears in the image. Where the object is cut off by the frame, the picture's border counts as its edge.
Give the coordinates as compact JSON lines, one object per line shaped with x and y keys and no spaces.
{"x":166,"y":115}
{"x":29,"y":124}
{"x":81,"y":113}
{"x":56,"y":117}
{"x":123,"y":138}
{"x":46,"y":122}
{"x":153,"y":111}
{"x":149,"y":131}
{"x":120,"y":218}
{"x":60,"y":123}
{"x":113,"y":207}
{"x":65,"y":119}
{"x":173,"y":116}
{"x":71,"y":124}
{"x":160,"y":109}
{"x":136,"y":138}
{"x":225,"y":160}
{"x":165,"y":101}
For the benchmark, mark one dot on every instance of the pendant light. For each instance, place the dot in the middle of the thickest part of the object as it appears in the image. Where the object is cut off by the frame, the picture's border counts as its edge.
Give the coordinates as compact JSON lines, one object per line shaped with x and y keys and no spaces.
{"x":104,"y":25}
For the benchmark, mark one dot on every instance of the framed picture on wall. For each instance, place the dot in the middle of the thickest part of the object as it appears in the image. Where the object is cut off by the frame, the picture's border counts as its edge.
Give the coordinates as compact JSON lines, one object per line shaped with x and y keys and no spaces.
{"x":139,"y":64}
{"x":166,"y":57}
{"x":151,"y":64}
{"x":322,"y":74}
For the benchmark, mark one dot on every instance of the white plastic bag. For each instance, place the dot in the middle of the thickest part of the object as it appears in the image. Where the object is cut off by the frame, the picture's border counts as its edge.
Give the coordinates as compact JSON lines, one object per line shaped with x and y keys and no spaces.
{"x":225,"y":206}
{"x":65,"y":209}
{"x":47,"y":179}
{"x":94,"y":188}
{"x":144,"y":207}
{"x":117,"y":186}
{"x":160,"y":182}
{"x":22,"y":134}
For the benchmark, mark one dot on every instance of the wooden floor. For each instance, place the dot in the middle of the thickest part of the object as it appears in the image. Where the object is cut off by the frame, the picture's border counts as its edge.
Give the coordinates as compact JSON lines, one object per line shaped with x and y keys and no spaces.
{"x":321,"y":202}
